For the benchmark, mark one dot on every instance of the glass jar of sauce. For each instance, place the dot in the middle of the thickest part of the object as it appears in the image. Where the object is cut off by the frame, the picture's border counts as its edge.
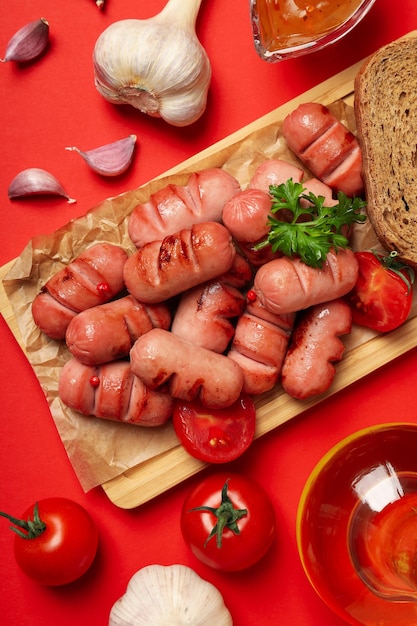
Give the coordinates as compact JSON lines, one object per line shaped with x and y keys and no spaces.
{"x":289,"y":28}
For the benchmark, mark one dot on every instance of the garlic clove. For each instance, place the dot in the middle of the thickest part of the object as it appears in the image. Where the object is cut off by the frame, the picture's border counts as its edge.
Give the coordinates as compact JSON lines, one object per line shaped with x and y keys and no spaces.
{"x":111,"y":159}
{"x":36,"y":181}
{"x":28,"y":42}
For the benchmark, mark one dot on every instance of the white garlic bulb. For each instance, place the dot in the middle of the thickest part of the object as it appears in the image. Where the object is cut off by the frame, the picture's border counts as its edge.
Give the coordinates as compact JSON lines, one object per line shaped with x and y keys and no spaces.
{"x":156,"y":65}
{"x":170,"y":595}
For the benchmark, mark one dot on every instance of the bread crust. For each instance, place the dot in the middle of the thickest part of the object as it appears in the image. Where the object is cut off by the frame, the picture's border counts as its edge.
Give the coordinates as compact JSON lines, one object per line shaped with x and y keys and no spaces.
{"x":386,"y":115}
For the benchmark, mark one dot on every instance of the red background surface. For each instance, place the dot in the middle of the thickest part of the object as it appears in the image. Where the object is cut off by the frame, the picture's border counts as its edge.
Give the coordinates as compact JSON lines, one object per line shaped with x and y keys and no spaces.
{"x":53,"y":103}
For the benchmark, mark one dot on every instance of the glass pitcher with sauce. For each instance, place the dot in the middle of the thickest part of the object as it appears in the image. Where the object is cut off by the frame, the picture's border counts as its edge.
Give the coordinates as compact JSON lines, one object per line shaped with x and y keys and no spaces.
{"x":289,"y":28}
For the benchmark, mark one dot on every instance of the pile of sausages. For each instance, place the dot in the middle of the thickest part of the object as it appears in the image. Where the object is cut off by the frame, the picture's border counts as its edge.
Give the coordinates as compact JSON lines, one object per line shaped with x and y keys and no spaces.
{"x":197,"y":311}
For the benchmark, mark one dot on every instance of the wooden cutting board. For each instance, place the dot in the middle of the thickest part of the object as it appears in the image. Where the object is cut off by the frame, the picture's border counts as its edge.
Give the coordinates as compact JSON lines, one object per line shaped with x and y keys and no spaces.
{"x":151,"y":478}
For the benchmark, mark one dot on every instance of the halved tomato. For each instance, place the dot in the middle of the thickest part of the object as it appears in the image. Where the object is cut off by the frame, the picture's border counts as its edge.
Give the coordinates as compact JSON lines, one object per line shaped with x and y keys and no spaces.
{"x":382,"y":296}
{"x":215,"y":435}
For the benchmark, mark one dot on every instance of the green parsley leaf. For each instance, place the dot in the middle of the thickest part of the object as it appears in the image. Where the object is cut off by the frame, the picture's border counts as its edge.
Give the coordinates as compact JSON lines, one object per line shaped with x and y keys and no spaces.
{"x":309,"y":232}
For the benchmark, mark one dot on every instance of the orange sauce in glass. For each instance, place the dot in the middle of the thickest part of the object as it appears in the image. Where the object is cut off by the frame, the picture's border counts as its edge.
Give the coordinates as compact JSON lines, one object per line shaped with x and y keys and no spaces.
{"x":385,"y":544}
{"x":287,"y":23}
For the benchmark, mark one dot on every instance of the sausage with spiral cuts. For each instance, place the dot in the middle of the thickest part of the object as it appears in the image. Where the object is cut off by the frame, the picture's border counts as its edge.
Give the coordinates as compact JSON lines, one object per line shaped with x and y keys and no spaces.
{"x":286,"y":285}
{"x":246,"y":215}
{"x":246,"y":218}
{"x":238,"y":275}
{"x":259,"y":346}
{"x":270,"y":172}
{"x":93,"y":278}
{"x":111,"y":391}
{"x":318,"y":188}
{"x":163,"y":269}
{"x":108,"y":331}
{"x":325,"y":146}
{"x":274,"y":172}
{"x":176,"y":207}
{"x":308,"y":368}
{"x":161,"y":358}
{"x":205,"y":315}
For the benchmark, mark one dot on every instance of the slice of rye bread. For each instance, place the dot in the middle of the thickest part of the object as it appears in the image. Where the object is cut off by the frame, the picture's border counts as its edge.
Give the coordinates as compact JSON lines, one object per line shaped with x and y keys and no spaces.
{"x":386,"y":115}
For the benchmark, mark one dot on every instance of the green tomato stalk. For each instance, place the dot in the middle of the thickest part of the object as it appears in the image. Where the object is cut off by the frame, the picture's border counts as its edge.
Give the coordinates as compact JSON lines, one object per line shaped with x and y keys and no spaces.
{"x":227,"y":517}
{"x":31,"y":528}
{"x":392,"y":262}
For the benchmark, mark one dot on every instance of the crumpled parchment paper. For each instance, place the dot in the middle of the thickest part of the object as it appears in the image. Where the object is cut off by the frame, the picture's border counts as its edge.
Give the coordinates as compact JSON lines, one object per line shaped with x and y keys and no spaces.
{"x":102,"y":449}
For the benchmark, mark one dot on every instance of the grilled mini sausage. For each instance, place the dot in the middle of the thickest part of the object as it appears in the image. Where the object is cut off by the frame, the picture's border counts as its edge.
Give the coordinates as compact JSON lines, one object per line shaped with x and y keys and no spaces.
{"x":161,"y":358}
{"x":176,"y":207}
{"x":108,"y":331}
{"x":93,"y":278}
{"x":163,"y":269}
{"x":325,"y":146}
{"x":308,"y":368}
{"x":205,"y":315}
{"x":111,"y":391}
{"x":275,"y":172}
{"x":246,"y":217}
{"x":259,"y":346}
{"x":286,"y":285}
{"x":318,"y":188}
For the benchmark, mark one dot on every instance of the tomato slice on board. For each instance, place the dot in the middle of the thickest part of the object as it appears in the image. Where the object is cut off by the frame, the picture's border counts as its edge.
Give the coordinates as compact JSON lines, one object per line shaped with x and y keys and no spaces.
{"x":382,"y":296}
{"x":215,"y":435}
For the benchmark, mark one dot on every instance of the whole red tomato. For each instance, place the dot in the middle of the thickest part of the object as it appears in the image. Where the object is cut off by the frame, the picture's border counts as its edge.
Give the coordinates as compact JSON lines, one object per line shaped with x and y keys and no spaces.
{"x":56,"y":541}
{"x":382,"y":296}
{"x":228,"y":522}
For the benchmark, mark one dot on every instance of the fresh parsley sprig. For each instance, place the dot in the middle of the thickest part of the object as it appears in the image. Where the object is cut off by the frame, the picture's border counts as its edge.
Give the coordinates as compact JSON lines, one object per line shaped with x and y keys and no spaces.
{"x":309,"y":232}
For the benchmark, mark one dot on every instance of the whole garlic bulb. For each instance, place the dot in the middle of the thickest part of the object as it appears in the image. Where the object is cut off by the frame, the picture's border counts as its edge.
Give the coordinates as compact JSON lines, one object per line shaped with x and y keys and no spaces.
{"x":170,"y":595}
{"x":156,"y":65}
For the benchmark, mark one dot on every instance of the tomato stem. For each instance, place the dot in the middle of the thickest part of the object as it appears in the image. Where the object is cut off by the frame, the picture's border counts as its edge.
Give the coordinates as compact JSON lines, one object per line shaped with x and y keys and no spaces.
{"x":391,"y":262}
{"x":227,"y":517}
{"x":32,"y":528}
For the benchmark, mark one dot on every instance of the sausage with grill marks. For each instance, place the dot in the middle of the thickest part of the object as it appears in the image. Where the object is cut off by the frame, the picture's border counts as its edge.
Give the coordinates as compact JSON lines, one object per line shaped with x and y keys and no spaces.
{"x":286,"y":285}
{"x":160,"y":358}
{"x":176,"y":207}
{"x":259,"y":346}
{"x":274,"y":172}
{"x":308,"y":368}
{"x":326,"y":146}
{"x":93,"y":278}
{"x":108,"y":331}
{"x":111,"y":391}
{"x":246,"y":217}
{"x":206,"y":313}
{"x":163,"y":269}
